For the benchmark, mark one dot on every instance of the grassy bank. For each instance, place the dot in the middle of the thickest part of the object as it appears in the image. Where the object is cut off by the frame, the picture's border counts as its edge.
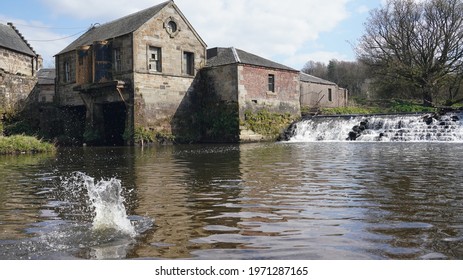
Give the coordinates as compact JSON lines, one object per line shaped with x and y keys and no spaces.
{"x":390,"y":107}
{"x":19,"y":144}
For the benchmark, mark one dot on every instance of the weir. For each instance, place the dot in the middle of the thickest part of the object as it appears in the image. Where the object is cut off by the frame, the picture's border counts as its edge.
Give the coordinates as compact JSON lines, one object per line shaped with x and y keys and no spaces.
{"x":422,"y":127}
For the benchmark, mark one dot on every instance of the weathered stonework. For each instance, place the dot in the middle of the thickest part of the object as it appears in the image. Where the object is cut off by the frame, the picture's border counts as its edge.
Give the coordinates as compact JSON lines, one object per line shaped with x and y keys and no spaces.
{"x":17,"y":63}
{"x":163,"y":94}
{"x":18,"y":68}
{"x":14,"y":90}
{"x":150,"y":70}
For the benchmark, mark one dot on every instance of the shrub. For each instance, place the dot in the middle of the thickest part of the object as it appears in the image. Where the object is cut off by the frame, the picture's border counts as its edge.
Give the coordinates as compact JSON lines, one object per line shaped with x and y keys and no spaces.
{"x":24,"y":144}
{"x":267,"y":123}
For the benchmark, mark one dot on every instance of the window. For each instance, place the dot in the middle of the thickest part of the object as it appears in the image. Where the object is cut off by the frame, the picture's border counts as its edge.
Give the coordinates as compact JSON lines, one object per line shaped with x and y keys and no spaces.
{"x":189,"y":63}
{"x":271,"y":83}
{"x":330,"y":95}
{"x":67,"y":72}
{"x":117,"y":58}
{"x":171,"y":27}
{"x":154,"y":59}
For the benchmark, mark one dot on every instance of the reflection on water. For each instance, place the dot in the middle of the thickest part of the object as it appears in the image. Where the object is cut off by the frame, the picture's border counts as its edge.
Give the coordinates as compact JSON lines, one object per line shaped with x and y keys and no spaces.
{"x":255,"y":201}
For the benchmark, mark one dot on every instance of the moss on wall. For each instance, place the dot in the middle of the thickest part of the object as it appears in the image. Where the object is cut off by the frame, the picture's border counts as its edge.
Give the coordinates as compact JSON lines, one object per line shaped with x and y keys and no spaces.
{"x":219,"y":122}
{"x":266,"y":123}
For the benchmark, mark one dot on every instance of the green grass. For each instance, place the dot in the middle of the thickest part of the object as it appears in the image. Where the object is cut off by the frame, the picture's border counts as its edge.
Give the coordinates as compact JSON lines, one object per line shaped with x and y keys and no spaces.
{"x":267,"y":123}
{"x":350,"y":111}
{"x":19,"y":144}
{"x":394,"y":106}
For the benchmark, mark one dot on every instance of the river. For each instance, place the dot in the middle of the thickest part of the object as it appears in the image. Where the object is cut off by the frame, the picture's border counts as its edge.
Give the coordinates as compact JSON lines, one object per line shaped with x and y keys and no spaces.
{"x":315,"y":201}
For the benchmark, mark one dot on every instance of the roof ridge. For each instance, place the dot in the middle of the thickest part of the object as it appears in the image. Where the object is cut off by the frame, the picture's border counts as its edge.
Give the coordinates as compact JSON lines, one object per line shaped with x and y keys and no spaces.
{"x":117,"y":27}
{"x":235,"y":54}
{"x":133,"y":14}
{"x":21,"y":36}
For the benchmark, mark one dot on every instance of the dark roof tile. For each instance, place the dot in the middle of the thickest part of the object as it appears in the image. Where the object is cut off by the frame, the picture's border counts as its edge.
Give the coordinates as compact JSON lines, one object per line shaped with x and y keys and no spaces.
{"x":116,"y":28}
{"x":10,"y":39}
{"x":226,"y":56}
{"x":46,"y":76}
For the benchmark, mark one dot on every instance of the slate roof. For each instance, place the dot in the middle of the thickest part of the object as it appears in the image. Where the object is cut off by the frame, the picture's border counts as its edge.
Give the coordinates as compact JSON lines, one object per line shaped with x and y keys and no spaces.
{"x":116,"y":28}
{"x":227,"y":56}
{"x":10,"y":39}
{"x":312,"y":79}
{"x":46,"y":76}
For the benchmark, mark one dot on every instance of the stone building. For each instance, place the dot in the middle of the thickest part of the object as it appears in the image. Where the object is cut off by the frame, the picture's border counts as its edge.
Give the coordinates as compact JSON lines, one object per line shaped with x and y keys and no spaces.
{"x":46,"y":85}
{"x":150,"y":72}
{"x":135,"y":72}
{"x":246,"y":83}
{"x":19,"y":64}
{"x":317,"y":93}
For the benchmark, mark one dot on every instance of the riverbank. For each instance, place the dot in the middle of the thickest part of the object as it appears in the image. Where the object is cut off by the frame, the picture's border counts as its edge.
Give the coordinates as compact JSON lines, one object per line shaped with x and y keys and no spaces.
{"x":19,"y":144}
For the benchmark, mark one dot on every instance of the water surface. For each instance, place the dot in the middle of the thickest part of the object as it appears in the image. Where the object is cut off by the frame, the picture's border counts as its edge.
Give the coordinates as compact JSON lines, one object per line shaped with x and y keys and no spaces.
{"x":314,"y":201}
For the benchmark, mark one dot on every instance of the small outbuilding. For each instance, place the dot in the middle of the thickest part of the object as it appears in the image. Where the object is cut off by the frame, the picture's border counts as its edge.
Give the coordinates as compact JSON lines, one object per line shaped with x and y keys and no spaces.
{"x":249,"y":85}
{"x":19,"y":64}
{"x":317,"y":93}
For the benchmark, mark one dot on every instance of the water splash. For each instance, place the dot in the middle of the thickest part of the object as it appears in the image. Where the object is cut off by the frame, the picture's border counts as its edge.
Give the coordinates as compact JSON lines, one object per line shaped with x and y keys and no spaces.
{"x":105,"y":201}
{"x":385,"y":128}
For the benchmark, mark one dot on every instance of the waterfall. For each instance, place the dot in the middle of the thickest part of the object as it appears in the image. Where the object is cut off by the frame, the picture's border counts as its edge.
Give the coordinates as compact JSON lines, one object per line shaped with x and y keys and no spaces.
{"x":386,"y":128}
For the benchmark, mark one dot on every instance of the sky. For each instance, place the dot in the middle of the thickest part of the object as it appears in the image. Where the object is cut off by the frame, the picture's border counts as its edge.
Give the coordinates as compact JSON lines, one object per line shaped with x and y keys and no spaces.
{"x":290,"y":32}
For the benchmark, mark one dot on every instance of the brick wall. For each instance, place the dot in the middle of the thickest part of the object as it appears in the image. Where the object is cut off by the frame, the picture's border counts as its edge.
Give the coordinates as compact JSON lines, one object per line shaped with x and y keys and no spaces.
{"x":254,"y":93}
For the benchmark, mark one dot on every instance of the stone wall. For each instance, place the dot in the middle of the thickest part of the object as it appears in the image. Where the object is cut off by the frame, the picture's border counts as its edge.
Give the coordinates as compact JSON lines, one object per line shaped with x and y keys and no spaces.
{"x":17,"y":63}
{"x":14,"y":90}
{"x":163,"y":95}
{"x":315,"y":95}
{"x":217,"y":104}
{"x":66,"y":96}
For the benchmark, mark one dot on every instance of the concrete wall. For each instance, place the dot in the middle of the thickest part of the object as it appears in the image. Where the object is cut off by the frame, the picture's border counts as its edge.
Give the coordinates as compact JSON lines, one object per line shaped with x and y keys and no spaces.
{"x":315,"y":95}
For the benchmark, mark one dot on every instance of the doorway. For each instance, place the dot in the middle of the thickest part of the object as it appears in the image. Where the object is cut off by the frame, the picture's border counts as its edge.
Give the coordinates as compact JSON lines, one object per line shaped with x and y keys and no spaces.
{"x":114,"y":123}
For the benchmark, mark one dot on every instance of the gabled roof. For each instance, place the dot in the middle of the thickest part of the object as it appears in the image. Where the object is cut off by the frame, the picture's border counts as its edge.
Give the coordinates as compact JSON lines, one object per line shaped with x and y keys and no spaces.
{"x":116,"y":28}
{"x":227,"y":56}
{"x":11,"y":39}
{"x":312,"y":79}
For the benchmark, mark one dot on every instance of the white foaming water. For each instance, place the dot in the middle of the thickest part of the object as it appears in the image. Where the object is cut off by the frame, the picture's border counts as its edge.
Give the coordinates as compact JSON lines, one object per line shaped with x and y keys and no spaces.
{"x":107,"y":202}
{"x":390,"y":128}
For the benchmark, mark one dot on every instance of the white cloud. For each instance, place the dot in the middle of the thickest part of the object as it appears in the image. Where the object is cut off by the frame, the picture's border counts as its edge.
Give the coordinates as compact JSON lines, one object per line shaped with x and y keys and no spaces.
{"x":268,"y":28}
{"x":362,"y":9}
{"x":319,"y":56}
{"x":43,"y":40}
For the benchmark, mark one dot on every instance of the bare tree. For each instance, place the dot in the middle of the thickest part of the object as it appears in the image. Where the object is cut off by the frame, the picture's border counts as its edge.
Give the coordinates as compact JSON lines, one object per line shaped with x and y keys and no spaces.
{"x":418,"y":43}
{"x":317,"y":69}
